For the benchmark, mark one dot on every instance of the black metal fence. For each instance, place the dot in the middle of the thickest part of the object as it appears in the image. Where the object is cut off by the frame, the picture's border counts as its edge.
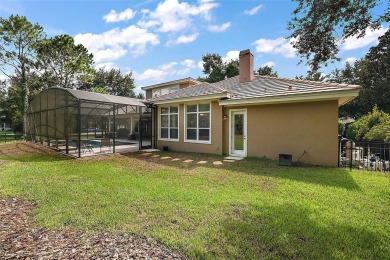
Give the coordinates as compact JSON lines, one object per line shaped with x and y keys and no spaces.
{"x":6,"y":137}
{"x":372,"y":156}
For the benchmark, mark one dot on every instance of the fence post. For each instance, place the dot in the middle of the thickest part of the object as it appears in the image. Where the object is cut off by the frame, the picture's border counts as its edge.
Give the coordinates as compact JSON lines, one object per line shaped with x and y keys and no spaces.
{"x":350,"y":154}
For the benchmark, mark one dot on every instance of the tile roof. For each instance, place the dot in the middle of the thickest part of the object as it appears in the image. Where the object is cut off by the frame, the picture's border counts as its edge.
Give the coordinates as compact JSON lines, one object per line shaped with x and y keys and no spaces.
{"x":202,"y":89}
{"x":260,"y":86}
{"x":265,"y":86}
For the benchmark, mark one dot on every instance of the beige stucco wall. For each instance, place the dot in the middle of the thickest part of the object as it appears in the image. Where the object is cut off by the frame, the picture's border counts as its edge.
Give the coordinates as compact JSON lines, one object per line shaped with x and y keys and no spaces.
{"x":291,"y":128}
{"x":216,"y":133}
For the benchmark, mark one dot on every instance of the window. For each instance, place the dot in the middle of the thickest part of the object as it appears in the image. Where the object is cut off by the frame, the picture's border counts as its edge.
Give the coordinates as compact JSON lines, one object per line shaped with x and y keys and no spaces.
{"x":198,"y":123}
{"x":169,"y":123}
{"x":164,"y":91}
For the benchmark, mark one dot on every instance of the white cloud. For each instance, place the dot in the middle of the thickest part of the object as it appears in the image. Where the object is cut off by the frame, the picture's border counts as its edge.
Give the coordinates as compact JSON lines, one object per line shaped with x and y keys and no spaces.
{"x":109,"y":54}
{"x":268,"y":63}
{"x":130,"y":39}
{"x":183,"y":39}
{"x":275,"y":46}
{"x":219,"y":28}
{"x":230,"y":55}
{"x":371,"y":37}
{"x":254,"y":10}
{"x":113,"y":16}
{"x":175,"y":16}
{"x":189,"y":63}
{"x":350,"y":60}
{"x":200,"y":65}
{"x":107,"y":66}
{"x":165,"y":70}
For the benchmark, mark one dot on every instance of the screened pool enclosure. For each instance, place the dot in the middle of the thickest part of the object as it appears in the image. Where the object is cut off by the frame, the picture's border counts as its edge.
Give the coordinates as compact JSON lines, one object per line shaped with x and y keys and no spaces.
{"x":81,"y":123}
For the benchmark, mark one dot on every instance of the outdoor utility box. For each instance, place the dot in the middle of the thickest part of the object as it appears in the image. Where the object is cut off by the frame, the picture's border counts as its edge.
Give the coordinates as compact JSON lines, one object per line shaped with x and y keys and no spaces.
{"x":285,"y":159}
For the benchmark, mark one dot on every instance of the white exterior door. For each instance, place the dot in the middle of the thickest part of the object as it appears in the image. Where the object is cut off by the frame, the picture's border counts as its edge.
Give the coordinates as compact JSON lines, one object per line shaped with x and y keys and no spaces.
{"x":238,"y":131}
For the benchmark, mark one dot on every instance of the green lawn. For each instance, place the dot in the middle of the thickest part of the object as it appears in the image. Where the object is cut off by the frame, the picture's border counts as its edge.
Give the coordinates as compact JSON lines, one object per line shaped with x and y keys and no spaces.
{"x":247,"y":209}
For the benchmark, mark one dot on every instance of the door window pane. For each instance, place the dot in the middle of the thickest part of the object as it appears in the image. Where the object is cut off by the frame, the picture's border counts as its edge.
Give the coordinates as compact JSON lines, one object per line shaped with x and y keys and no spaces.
{"x":239,"y":132}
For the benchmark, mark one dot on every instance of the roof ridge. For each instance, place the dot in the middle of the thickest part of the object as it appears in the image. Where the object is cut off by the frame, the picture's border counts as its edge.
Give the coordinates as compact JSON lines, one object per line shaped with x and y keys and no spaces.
{"x":320,"y":83}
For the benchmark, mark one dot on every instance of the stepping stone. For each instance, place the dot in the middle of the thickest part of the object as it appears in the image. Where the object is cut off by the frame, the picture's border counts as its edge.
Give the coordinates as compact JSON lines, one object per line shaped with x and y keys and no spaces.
{"x":156,"y":155}
{"x":229,"y":160}
{"x":147,"y":154}
{"x":150,"y":150}
{"x":176,"y":159}
{"x":234,"y":158}
{"x":188,"y":161}
{"x":217,"y":163}
{"x":165,"y":157}
{"x":202,"y":162}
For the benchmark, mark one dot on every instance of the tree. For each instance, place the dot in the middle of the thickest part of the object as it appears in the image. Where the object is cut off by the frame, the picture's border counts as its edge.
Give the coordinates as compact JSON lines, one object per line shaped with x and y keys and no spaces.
{"x":374,"y":126}
{"x":216,"y":69}
{"x":213,"y":67}
{"x":318,"y":76}
{"x":113,"y":81}
{"x":373,"y":74}
{"x":318,"y":27}
{"x":267,"y":71}
{"x":18,"y":40}
{"x":232,"y":68}
{"x":65,"y":63}
{"x":140,"y":96}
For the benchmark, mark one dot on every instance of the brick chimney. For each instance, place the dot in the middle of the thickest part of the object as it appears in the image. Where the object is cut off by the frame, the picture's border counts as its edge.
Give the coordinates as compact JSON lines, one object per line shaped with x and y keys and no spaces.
{"x":246,"y":66}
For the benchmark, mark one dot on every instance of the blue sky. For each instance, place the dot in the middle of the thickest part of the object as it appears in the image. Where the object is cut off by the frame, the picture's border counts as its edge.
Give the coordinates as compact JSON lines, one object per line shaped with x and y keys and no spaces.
{"x":162,"y":40}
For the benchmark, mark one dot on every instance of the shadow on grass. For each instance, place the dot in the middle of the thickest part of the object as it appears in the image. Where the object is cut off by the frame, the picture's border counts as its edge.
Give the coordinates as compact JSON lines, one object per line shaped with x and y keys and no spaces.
{"x":291,"y":231}
{"x":326,"y":176}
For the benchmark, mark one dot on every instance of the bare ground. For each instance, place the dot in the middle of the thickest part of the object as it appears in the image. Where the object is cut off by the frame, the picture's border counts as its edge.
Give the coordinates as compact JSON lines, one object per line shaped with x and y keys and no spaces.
{"x":21,"y":239}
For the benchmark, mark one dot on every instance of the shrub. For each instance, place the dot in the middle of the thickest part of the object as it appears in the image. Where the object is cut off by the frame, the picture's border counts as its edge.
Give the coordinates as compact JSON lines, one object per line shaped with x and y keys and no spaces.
{"x":375,"y":126}
{"x":341,"y":128}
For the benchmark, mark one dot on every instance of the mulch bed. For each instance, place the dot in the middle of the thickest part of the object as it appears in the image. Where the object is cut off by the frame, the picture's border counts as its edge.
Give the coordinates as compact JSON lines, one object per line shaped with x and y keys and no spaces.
{"x":21,"y":239}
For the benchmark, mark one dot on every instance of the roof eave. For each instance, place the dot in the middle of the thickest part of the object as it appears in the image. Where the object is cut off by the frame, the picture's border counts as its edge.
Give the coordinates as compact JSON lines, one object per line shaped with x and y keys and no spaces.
{"x":343,"y":96}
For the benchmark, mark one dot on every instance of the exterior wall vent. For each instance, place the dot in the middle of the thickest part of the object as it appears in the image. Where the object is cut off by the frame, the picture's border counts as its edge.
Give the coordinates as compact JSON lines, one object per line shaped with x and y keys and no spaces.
{"x":285,"y":159}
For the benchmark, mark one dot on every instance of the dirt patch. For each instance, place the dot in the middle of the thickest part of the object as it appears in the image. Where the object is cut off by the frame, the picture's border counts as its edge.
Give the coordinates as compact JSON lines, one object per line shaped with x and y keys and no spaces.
{"x":24,"y":148}
{"x":21,"y":239}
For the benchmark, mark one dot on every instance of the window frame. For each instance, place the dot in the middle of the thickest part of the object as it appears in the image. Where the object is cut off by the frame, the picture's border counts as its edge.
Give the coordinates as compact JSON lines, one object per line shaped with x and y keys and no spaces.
{"x":169,"y":123}
{"x":197,"y":123}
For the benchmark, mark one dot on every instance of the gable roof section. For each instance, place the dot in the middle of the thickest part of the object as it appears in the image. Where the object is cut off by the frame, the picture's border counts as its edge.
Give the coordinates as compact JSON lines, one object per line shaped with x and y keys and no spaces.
{"x":200,"y":91}
{"x":173,"y":82}
{"x":264,"y":89}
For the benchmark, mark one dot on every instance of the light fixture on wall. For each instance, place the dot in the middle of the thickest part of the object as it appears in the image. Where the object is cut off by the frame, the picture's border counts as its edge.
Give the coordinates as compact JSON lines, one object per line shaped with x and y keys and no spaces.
{"x":225,"y":117}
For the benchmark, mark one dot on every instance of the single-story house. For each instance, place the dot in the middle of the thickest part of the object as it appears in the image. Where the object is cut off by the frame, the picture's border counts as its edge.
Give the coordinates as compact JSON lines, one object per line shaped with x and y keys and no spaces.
{"x":251,"y":115}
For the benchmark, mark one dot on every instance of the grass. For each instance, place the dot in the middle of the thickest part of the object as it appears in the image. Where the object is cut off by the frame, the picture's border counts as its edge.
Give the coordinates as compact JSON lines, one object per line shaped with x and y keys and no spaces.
{"x":243,"y":210}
